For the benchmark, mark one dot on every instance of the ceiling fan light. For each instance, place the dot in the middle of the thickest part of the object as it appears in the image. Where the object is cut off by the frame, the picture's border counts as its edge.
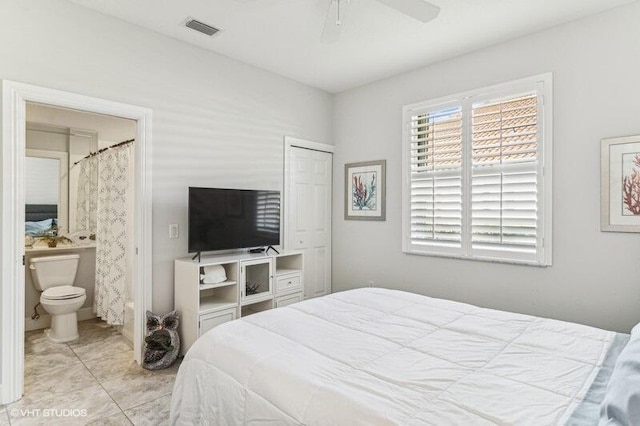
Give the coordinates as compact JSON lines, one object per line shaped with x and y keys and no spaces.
{"x":333,"y":23}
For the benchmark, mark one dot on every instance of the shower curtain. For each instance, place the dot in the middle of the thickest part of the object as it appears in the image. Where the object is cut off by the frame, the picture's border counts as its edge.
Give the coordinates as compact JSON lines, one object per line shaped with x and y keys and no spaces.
{"x":106,"y":198}
{"x":87,"y":198}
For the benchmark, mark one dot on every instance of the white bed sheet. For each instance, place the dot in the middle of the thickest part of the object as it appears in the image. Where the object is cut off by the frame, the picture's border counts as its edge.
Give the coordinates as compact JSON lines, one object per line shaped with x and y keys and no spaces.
{"x":383,"y":357}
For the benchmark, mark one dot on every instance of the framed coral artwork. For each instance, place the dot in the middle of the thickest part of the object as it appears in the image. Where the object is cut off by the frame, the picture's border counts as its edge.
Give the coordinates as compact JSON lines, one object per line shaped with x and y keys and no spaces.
{"x":620,"y":184}
{"x":364,"y":189}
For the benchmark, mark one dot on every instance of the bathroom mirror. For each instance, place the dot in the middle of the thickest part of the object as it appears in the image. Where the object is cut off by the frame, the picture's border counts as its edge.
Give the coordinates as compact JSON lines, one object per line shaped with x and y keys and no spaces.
{"x":46,"y":190}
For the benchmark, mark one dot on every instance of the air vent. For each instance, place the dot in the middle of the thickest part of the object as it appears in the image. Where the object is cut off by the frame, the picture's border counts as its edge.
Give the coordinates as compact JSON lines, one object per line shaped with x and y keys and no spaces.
{"x":201,"y":27}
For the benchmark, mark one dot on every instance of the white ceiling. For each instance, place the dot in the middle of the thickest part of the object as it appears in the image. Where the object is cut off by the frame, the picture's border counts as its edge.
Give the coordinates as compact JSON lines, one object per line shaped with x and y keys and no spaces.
{"x":283,"y":36}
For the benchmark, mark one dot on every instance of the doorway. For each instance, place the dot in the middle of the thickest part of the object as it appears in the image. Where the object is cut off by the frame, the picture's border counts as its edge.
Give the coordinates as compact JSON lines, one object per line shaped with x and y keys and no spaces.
{"x":307,"y":199}
{"x":15,"y":96}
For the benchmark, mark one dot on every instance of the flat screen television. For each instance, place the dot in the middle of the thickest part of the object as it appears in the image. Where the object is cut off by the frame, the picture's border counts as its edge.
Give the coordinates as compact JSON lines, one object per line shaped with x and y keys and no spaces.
{"x":224,"y":219}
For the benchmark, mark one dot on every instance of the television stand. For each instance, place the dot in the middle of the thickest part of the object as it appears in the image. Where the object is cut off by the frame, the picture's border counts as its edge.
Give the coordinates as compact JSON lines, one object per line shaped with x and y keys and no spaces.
{"x":271,"y":248}
{"x":254,"y":283}
{"x":197,"y":255}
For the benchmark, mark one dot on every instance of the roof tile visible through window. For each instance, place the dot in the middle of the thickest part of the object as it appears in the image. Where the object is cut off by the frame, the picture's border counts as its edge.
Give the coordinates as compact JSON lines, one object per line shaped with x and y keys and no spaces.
{"x":505,"y":130}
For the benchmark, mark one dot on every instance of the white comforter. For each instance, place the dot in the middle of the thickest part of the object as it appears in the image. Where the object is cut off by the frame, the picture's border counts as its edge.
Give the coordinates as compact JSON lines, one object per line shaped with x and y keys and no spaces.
{"x":383,"y":357}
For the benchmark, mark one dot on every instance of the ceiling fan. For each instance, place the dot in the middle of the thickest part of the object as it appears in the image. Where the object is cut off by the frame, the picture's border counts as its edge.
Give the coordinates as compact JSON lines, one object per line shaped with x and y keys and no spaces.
{"x":417,"y":9}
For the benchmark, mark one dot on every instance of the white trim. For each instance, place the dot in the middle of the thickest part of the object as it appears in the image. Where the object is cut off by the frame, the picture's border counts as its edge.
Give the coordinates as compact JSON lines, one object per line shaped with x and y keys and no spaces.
{"x":546,"y":178}
{"x":13,"y":110}
{"x":543,"y":255}
{"x":491,"y":91}
{"x":14,"y":98}
{"x":301,"y":143}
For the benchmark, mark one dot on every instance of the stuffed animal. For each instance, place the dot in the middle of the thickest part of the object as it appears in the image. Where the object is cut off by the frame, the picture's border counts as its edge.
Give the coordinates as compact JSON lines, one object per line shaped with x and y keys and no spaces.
{"x":162,"y":344}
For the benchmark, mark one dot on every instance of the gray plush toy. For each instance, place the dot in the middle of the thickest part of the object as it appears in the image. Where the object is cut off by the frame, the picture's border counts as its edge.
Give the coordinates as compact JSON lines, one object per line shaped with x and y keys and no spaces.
{"x":162,"y":344}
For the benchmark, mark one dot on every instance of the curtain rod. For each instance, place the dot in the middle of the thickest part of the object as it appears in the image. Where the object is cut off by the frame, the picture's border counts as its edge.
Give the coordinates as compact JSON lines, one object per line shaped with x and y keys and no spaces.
{"x":104,"y":149}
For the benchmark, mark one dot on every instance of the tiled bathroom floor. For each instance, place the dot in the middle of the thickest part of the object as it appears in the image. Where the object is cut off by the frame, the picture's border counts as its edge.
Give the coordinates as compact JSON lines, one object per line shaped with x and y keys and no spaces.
{"x":93,"y":380}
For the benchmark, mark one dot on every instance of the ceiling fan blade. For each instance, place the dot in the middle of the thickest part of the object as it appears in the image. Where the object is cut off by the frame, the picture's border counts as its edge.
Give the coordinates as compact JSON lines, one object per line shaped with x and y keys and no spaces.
{"x":417,"y":9}
{"x":334,"y":22}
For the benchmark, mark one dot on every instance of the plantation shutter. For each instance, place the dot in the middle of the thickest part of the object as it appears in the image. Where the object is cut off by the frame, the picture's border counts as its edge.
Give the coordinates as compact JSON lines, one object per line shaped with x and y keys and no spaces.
{"x":504,"y":181}
{"x":436,"y":177}
{"x":475,"y":181}
{"x":268,"y":212}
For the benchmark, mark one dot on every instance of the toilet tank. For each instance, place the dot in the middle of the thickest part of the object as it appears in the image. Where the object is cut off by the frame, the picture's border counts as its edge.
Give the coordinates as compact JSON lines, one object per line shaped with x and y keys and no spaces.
{"x":53,"y":271}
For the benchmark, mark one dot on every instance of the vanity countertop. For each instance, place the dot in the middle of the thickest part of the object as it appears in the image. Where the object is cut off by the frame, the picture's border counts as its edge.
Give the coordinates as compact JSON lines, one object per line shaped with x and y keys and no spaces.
{"x":42,"y":247}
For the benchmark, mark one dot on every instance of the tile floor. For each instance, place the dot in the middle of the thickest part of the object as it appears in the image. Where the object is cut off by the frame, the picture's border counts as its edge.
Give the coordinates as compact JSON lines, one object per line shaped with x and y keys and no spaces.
{"x":93,"y":380}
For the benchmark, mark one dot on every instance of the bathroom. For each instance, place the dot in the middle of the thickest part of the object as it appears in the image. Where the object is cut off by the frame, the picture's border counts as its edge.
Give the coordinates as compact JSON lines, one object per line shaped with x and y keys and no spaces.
{"x":62,"y":206}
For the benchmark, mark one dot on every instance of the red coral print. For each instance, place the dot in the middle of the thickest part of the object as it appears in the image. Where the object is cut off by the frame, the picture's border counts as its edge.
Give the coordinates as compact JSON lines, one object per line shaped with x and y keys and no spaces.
{"x":631,"y":189}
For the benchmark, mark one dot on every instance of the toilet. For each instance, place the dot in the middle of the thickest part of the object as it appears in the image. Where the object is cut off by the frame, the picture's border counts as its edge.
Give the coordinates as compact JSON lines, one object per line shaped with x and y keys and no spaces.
{"x":54,"y":276}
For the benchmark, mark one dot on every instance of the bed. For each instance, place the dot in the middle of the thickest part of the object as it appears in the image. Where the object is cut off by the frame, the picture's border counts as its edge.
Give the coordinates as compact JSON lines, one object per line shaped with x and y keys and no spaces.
{"x":383,"y":357}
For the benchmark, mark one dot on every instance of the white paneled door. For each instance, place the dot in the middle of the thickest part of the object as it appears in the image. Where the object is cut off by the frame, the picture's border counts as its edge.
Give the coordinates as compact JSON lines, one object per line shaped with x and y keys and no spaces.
{"x":308,"y":215}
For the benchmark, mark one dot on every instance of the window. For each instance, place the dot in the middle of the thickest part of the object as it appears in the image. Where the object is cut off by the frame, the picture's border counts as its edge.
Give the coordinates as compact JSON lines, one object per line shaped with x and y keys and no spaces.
{"x":268,"y":212}
{"x":477,"y":168}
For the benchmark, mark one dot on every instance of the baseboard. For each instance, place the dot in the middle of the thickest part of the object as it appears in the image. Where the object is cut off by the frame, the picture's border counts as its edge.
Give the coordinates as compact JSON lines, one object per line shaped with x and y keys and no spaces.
{"x":45,"y":319}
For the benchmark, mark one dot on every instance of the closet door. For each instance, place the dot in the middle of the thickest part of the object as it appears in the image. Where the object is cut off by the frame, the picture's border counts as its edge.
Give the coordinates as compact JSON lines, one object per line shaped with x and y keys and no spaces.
{"x":308,"y":215}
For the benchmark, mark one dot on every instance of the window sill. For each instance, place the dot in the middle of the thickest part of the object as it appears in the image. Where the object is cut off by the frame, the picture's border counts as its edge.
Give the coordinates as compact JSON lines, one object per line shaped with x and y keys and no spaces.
{"x":518,"y":262}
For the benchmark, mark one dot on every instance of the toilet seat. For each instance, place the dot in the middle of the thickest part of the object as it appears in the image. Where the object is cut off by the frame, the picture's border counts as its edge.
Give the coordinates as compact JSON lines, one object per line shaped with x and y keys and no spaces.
{"x":63,"y":292}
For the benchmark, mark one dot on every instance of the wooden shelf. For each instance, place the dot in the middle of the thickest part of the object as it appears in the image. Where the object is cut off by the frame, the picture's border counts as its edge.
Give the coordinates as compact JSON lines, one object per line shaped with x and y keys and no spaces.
{"x":256,"y":307}
{"x":213,"y":303}
{"x":217,"y":285}
{"x":248,"y":311}
{"x":285,"y":271}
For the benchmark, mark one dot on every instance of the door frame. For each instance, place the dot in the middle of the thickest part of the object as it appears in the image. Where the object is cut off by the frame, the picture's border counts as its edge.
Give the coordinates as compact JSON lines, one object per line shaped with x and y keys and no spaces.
{"x":289,"y":144}
{"x":15,"y":95}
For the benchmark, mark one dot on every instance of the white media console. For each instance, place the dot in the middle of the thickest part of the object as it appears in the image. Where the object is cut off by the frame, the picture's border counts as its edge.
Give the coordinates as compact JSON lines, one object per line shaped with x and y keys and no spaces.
{"x":255,"y":282}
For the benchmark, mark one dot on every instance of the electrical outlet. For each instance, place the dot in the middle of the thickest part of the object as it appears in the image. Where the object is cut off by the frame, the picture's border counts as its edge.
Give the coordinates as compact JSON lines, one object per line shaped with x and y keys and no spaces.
{"x":371,"y":283}
{"x":173,"y":230}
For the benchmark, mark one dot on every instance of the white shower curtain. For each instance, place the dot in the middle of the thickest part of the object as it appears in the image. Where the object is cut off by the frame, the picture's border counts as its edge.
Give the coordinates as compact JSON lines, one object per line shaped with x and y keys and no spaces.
{"x":87,"y":198}
{"x":111,"y":235}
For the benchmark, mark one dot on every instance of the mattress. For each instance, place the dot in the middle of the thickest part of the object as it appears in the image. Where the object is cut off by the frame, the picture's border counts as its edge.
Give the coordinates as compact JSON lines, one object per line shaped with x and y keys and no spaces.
{"x":383,"y":357}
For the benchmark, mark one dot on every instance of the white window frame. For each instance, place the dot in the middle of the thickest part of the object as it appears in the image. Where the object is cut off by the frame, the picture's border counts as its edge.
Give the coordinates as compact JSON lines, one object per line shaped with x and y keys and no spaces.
{"x":543,"y":84}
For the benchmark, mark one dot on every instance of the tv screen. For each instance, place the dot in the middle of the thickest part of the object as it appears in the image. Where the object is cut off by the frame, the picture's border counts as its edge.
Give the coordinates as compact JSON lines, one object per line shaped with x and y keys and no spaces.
{"x":223,"y":219}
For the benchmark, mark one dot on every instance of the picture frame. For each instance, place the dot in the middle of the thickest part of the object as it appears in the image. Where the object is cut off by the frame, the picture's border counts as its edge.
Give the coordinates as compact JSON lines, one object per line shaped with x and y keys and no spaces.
{"x":365,"y":190}
{"x":620,"y":184}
